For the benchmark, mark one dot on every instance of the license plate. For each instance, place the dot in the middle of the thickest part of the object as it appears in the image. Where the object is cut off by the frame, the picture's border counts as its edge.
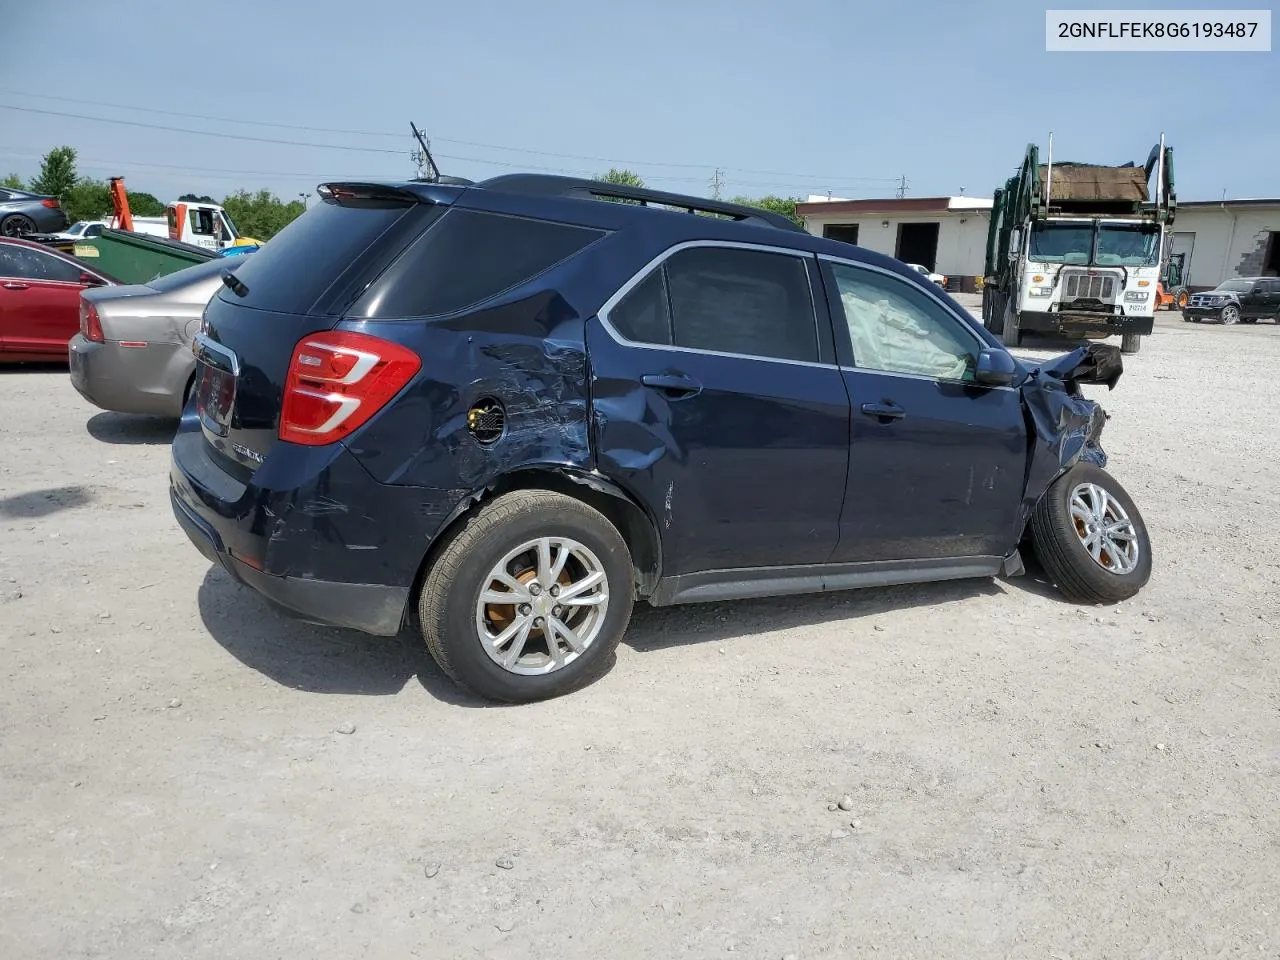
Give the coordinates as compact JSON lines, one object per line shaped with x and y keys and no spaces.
{"x":215,"y":397}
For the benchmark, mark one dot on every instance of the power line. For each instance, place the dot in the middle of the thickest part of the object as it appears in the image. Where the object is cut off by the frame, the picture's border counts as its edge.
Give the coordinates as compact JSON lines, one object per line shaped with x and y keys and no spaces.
{"x":376,"y":133}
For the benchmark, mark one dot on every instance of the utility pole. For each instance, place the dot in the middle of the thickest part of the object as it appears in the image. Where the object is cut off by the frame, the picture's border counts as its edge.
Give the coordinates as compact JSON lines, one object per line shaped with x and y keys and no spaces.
{"x":717,"y":181}
{"x":305,"y":197}
{"x":427,"y":169}
{"x":902,"y":186}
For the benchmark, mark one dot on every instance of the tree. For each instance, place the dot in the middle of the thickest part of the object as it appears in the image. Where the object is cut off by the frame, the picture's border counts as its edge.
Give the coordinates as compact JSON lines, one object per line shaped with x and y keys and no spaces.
{"x":261,"y":215}
{"x":57,"y":172}
{"x":192,"y":198}
{"x":13,"y":181}
{"x":624,"y":178}
{"x":89,"y":199}
{"x":783,"y":205}
{"x":145,"y":204}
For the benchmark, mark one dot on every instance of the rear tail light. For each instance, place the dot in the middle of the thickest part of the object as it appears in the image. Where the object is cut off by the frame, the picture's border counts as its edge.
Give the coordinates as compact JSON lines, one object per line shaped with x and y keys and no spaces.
{"x":51,"y":203}
{"x":337,"y":381}
{"x":90,"y":322}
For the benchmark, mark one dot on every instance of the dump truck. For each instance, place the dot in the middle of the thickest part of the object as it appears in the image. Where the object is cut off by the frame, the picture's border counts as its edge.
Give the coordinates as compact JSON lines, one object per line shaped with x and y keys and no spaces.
{"x":1076,"y":249}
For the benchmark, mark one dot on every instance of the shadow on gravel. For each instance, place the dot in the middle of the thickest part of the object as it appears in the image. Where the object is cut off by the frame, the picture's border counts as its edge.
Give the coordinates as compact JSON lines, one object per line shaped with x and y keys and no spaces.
{"x":318,"y":659}
{"x":44,"y":503}
{"x":658,"y":628}
{"x":130,"y":430}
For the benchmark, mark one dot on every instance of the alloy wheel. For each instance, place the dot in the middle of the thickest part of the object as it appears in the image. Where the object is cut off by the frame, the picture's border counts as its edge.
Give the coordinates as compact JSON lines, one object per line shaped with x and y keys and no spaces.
{"x":542,"y":606}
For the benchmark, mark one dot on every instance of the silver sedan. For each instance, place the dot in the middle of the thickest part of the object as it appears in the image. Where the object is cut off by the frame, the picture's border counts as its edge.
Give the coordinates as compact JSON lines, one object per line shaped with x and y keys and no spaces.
{"x":133,"y":351}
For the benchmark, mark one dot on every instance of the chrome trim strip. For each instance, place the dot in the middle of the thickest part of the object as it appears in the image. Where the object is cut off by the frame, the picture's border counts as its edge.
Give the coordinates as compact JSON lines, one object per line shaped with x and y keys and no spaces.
{"x":215,"y":355}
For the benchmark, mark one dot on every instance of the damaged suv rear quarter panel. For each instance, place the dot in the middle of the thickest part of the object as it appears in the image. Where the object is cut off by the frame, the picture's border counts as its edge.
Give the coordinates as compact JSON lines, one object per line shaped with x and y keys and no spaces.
{"x":527,"y":350}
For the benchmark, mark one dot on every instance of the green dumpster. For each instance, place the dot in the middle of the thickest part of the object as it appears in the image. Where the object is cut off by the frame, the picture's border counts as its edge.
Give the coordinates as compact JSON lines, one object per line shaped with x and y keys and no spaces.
{"x":138,"y":257}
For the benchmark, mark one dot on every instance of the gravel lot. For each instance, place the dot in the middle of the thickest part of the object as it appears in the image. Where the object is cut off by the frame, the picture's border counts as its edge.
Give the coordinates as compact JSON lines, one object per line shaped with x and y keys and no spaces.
{"x":1025,"y":778}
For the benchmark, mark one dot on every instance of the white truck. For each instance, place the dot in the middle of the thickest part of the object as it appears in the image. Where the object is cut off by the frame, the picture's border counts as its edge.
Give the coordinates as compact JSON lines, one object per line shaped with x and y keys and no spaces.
{"x":1076,"y":249}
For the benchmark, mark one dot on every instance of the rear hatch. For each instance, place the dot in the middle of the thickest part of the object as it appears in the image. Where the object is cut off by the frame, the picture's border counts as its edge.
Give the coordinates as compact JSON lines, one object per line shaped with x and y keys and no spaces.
{"x":299,"y":283}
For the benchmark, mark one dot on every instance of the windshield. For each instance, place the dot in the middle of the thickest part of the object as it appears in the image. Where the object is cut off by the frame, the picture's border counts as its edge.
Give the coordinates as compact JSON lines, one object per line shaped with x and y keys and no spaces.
{"x":1236,"y":286}
{"x":76,"y":228}
{"x":1127,"y":246}
{"x":232,"y":224}
{"x":1061,"y":242}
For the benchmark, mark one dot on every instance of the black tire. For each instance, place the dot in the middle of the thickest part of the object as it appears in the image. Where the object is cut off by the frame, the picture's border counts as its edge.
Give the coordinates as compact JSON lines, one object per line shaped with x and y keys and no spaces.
{"x":451,"y":591}
{"x":1010,"y":333}
{"x":1064,"y":557}
{"x":17,"y":225}
{"x":1130,"y":342}
{"x":995,"y":322}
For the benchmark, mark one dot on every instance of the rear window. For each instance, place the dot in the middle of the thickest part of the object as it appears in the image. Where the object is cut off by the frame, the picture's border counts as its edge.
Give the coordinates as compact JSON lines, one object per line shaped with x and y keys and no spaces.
{"x":467,"y":257}
{"x":299,"y":264}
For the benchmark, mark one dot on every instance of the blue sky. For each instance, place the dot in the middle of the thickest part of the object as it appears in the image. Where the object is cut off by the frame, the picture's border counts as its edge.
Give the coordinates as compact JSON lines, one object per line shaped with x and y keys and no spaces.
{"x":797,"y":97}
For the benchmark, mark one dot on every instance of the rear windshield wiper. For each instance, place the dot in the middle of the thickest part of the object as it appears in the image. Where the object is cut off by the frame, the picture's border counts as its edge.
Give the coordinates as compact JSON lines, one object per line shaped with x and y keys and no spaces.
{"x":235,"y":286}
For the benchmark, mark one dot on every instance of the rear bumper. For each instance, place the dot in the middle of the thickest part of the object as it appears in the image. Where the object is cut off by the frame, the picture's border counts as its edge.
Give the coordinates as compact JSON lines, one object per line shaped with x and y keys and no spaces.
{"x":1084,"y":323}
{"x":146,"y":380}
{"x":311,"y":530}
{"x":368,"y":607}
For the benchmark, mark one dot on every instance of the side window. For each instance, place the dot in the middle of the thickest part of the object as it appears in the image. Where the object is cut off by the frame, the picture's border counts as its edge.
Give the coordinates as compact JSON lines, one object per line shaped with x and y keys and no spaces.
{"x":26,"y":264}
{"x":898,"y":329}
{"x":201,"y":222}
{"x":748,"y":302}
{"x":466,"y":257}
{"x":644,"y":314}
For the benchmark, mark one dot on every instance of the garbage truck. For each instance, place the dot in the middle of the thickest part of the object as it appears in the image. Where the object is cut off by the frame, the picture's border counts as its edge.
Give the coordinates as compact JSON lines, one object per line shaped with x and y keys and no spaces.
{"x":1075,"y":249}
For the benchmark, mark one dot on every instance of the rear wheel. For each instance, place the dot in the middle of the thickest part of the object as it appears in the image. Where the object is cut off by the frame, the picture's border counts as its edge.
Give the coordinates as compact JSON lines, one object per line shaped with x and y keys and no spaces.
{"x":17,"y":225}
{"x":1090,"y":537}
{"x":529,"y":599}
{"x":1130,"y":343}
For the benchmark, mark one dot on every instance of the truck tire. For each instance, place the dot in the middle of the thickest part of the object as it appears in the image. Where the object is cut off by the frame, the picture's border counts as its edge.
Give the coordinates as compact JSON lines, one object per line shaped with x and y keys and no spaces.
{"x":1130,"y":343}
{"x":995,"y":318}
{"x":529,"y":545}
{"x":1083,"y":513}
{"x":1010,"y":334}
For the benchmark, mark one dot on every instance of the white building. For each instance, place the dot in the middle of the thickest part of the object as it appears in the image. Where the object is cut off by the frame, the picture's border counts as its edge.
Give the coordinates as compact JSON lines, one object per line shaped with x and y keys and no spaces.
{"x":945,"y":234}
{"x":1224,"y":239}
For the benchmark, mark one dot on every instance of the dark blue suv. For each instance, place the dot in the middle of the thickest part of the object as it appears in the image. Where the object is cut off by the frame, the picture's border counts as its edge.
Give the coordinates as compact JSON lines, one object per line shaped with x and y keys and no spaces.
{"x":502,"y":412}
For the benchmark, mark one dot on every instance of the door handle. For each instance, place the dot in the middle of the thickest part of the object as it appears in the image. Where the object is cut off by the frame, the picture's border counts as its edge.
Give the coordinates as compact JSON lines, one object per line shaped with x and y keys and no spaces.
{"x":883,"y":411}
{"x":675,"y":386}
{"x":13,"y":285}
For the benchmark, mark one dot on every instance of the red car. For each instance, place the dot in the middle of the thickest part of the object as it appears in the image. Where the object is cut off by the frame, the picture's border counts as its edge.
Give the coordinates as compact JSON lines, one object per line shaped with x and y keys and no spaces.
{"x":40,"y":300}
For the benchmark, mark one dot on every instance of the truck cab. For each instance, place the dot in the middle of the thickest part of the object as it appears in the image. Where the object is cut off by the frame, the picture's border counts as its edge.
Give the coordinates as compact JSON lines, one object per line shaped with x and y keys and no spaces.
{"x":1092,"y":275}
{"x":201,"y":224}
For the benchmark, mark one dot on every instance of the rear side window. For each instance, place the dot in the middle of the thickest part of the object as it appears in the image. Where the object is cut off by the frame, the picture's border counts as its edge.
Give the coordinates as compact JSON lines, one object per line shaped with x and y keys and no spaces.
{"x":724,"y":300}
{"x":467,"y":257}
{"x":296,"y":266}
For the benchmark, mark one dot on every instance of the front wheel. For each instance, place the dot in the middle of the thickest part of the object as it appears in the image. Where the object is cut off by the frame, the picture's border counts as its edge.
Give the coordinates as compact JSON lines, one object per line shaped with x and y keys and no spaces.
{"x":529,"y":599}
{"x":1090,"y":537}
{"x":1130,"y":342}
{"x":1230,"y":315}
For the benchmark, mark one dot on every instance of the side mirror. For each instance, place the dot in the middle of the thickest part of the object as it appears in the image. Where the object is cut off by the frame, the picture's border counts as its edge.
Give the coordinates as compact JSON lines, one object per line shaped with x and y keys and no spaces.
{"x":1015,"y":243}
{"x":995,"y":368}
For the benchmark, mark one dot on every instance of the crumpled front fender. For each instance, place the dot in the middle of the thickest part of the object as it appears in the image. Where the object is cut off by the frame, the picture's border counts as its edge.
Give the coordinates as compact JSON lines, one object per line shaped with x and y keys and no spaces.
{"x":1063,"y":426}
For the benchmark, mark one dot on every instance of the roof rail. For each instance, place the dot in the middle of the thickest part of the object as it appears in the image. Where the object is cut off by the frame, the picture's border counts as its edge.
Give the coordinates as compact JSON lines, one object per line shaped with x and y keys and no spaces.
{"x":545,"y":185}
